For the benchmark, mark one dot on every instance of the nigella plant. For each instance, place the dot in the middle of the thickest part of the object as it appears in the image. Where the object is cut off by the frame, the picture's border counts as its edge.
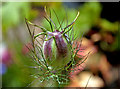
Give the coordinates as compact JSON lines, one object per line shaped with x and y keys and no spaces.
{"x":56,"y":56}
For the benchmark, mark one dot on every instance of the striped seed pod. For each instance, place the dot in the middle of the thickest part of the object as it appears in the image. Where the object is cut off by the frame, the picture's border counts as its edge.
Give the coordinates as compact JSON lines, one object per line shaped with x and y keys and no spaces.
{"x":56,"y":49}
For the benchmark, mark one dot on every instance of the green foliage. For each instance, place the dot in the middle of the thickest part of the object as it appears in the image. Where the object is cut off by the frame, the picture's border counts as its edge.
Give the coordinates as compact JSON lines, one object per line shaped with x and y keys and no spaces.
{"x":89,"y":15}
{"x":18,"y":71}
{"x":13,"y":13}
{"x":109,"y":26}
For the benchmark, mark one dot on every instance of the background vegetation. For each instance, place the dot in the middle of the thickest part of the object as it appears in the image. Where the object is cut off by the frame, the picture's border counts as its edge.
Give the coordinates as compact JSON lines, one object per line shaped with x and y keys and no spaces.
{"x":99,"y":22}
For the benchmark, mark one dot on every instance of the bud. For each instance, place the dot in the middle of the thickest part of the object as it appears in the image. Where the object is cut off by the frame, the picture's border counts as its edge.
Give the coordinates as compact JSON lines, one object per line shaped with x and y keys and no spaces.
{"x":56,"y":49}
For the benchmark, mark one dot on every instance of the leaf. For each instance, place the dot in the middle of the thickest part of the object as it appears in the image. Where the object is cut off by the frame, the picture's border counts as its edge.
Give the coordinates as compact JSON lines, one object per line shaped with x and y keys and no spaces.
{"x":13,"y":13}
{"x":89,"y":14}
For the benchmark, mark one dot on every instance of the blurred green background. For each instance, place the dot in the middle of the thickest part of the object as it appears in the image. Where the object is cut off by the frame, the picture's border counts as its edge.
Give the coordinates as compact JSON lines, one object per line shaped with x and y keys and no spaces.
{"x":98,"y":21}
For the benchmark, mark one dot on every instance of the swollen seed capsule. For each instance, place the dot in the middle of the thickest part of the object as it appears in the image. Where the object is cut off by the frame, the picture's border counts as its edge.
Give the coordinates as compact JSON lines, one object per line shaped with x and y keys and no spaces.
{"x":56,"y":49}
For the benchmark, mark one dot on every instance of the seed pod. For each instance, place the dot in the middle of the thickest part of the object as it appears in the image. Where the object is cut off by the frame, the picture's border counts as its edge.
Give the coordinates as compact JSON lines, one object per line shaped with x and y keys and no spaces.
{"x":56,"y":49}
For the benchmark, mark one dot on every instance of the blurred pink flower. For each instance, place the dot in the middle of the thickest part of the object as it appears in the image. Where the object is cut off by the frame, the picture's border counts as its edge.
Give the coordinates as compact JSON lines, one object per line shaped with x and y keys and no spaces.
{"x":5,"y":56}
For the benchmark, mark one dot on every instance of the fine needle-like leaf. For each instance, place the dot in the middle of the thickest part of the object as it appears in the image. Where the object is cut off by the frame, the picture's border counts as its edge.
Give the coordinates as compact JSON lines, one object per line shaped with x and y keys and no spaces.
{"x":88,"y":81}
{"x":57,"y":18}
{"x":49,"y":23}
{"x":28,"y":27}
{"x":78,"y":46}
{"x":42,"y":28}
{"x":43,"y":56}
{"x":41,"y":33}
{"x":49,"y":17}
{"x":72,"y":22}
{"x":68,"y":30}
{"x":61,"y":24}
{"x":83,"y":60}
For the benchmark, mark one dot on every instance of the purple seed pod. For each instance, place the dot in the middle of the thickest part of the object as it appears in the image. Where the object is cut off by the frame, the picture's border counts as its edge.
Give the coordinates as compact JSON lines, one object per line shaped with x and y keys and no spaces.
{"x":56,"y":49}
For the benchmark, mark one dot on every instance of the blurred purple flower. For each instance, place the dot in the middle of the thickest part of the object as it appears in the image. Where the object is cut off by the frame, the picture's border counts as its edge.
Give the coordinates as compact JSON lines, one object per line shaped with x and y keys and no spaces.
{"x":5,"y":56}
{"x":3,"y":68}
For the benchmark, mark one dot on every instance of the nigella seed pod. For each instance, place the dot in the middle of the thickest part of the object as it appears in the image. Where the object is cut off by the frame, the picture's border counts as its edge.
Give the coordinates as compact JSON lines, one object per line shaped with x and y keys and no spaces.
{"x":57,"y":57}
{"x":56,"y":49}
